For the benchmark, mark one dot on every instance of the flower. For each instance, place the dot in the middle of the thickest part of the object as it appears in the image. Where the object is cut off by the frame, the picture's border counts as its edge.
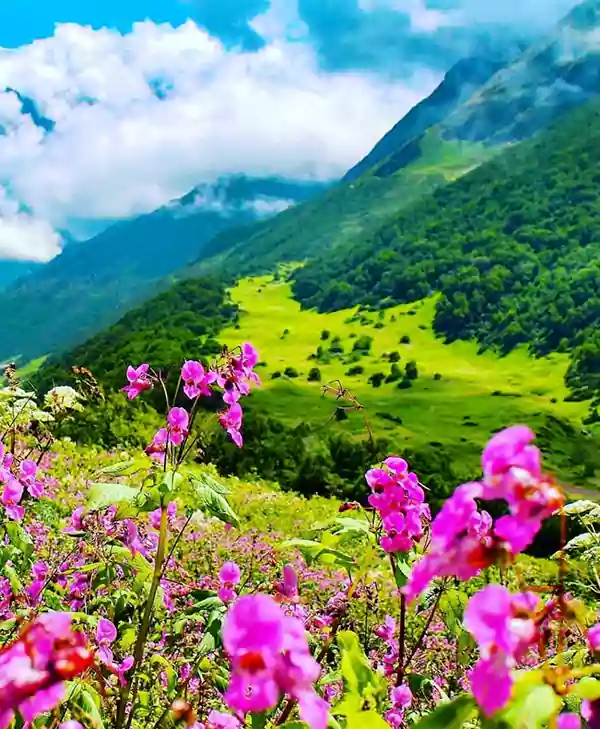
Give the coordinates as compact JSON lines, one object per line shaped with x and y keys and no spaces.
{"x":154,"y":516}
{"x":106,"y":633}
{"x":504,"y":627}
{"x":62,"y":398}
{"x":138,"y":381}
{"x":76,"y":523}
{"x":30,"y":476}
{"x":35,"y":666}
{"x":229,"y":577}
{"x":196,"y":380}
{"x":400,"y":501}
{"x":231,"y":420}
{"x":593,"y":637}
{"x":11,"y":496}
{"x":568,"y":721}
{"x":157,"y":449}
{"x":269,"y":655}
{"x":178,"y":421}
{"x":288,"y":587}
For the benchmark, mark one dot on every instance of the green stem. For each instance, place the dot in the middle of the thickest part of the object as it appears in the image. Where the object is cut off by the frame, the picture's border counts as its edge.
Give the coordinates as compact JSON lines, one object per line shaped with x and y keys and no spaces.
{"x":140,"y":644}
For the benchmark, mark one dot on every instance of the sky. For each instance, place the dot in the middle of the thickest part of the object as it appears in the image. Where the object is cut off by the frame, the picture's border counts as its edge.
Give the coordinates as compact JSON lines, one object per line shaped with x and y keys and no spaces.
{"x":112,"y":108}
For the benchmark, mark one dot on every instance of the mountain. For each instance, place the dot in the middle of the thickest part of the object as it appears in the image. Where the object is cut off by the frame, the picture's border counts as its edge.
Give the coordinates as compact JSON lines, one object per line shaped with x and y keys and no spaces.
{"x":483,"y":104}
{"x":10,"y":271}
{"x":512,"y":249}
{"x":91,"y":284}
{"x":461,"y":81}
{"x":553,"y":76}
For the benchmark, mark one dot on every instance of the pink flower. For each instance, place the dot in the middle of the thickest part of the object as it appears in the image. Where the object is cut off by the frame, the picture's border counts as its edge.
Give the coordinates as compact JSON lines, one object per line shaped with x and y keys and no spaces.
{"x":400,"y":501}
{"x":106,"y":633}
{"x":34,"y":590}
{"x":231,"y":420}
{"x":31,"y":477}
{"x":196,"y":381}
{"x":510,"y":448}
{"x":568,"y":721}
{"x":138,"y":381}
{"x":178,"y":421}
{"x":229,"y":577}
{"x":218,"y":720}
{"x":288,"y":587}
{"x":71,"y":724}
{"x":35,"y":666}
{"x":154,"y":516}
{"x":157,"y":449}
{"x":11,"y":496}
{"x":76,"y":523}
{"x":593,"y":637}
{"x":504,"y":627}
{"x":269,"y":655}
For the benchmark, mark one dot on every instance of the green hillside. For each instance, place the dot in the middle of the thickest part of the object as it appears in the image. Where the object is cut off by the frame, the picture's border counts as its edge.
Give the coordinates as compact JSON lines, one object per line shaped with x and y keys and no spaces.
{"x":513,"y":248}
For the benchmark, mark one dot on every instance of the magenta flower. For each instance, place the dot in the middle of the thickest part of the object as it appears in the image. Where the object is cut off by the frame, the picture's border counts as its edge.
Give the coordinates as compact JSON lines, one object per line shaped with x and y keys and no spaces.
{"x":593,"y":637}
{"x":76,"y":523}
{"x":106,"y":634}
{"x":40,"y":572}
{"x":219,"y":720}
{"x":288,"y":587}
{"x":139,"y":381}
{"x":231,"y":420}
{"x":568,"y":721}
{"x":196,"y":380}
{"x":158,"y":448}
{"x":34,"y":667}
{"x":504,"y":627}
{"x":154,"y":516}
{"x":71,"y":724}
{"x":400,"y":501}
{"x":269,"y":656}
{"x":11,"y":496}
{"x":31,"y":477}
{"x":229,"y":577}
{"x":178,"y":421}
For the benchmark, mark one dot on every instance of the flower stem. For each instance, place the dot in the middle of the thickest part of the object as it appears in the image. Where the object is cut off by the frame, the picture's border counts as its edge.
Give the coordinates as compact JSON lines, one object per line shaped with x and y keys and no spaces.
{"x":138,"y":652}
{"x":401,"y":641}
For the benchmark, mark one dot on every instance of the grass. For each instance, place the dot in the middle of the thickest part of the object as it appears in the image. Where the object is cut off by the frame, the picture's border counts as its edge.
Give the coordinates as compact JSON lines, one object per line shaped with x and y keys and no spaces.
{"x":476,"y":395}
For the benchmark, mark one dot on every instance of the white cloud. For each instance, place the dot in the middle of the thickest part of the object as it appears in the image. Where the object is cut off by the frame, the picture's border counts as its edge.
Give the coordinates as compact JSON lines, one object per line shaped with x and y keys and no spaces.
{"x":23,"y":236}
{"x":118,"y":150}
{"x":422,"y":18}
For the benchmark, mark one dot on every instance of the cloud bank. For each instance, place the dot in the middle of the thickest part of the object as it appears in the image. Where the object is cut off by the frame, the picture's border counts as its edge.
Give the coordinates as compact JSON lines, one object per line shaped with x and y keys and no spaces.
{"x":142,"y":117}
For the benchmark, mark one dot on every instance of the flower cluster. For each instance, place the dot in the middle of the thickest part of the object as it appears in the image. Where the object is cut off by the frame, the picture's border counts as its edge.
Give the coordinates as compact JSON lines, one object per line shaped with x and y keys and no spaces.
{"x":34,"y":668}
{"x":401,"y":698}
{"x":233,"y":373}
{"x":229,"y":578}
{"x":400,"y":501}
{"x":106,"y":634}
{"x":270,"y":656}
{"x":15,"y":478}
{"x":504,"y":626}
{"x":465,"y":540}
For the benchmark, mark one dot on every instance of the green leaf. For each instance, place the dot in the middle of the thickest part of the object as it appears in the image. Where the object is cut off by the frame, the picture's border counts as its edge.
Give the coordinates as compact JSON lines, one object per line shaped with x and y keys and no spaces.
{"x":359,"y":678}
{"x":452,"y":608}
{"x":214,"y":504}
{"x":15,"y":583}
{"x":19,"y":538}
{"x":213,"y":484}
{"x":587,"y":688}
{"x":117,"y":469}
{"x":317,"y":552}
{"x":401,"y":573}
{"x":533,"y":707}
{"x":125,"y":498}
{"x":450,"y":715}
{"x":86,"y":704}
{"x":366,"y":720}
{"x":171,"y":482}
{"x":258,"y":721}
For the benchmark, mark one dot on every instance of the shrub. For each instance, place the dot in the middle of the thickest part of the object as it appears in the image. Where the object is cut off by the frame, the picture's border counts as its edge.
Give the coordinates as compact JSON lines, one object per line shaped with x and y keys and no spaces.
{"x":404,"y":384}
{"x":395,"y":373}
{"x":405,"y":339}
{"x":411,"y":370}
{"x":437,"y":376}
{"x":276,"y":375}
{"x":363,"y":344}
{"x":394,"y":356}
{"x":325,"y":334}
{"x":314,"y":375}
{"x":376,"y":379}
{"x":290,"y":372}
{"x":356,"y":370}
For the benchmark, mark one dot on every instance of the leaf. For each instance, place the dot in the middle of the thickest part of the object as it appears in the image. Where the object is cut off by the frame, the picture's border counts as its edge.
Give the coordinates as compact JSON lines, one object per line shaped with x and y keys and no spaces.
{"x":15,"y":583}
{"x":19,"y":538}
{"x":215,"y":504}
{"x":171,"y":482}
{"x":359,"y":678}
{"x":401,"y":573}
{"x":533,"y":709}
{"x":450,"y":715}
{"x":102,"y":495}
{"x":209,"y":603}
{"x":580,"y":507}
{"x":212,"y":483}
{"x":366,"y":720}
{"x":117,"y":469}
{"x":581,"y":541}
{"x":587,"y":688}
{"x":87,"y":701}
{"x":317,"y":552}
{"x":452,"y":607}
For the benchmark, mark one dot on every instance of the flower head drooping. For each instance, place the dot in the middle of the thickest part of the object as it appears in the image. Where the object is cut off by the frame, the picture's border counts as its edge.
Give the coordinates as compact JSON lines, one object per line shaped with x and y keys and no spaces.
{"x":504,"y":626}
{"x":511,"y":471}
{"x":229,"y":578}
{"x":158,"y":448}
{"x":400,"y":501}
{"x":269,"y":654}
{"x":178,"y":421}
{"x":12,"y":494}
{"x":139,"y":381}
{"x":35,"y":666}
{"x":196,"y":381}
{"x":231,"y":420}
{"x":401,"y":698}
{"x":32,"y":478}
{"x":106,"y":633}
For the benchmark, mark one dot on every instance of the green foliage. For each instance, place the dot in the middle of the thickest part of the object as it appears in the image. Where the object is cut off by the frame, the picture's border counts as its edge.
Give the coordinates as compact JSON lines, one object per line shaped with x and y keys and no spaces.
{"x":290,"y":372}
{"x":172,"y":327}
{"x":449,"y":715}
{"x":513,"y":247}
{"x":314,"y":374}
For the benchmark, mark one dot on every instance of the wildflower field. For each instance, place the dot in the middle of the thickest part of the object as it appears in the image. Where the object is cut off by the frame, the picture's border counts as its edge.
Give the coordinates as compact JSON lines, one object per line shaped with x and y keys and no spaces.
{"x":143,"y":589}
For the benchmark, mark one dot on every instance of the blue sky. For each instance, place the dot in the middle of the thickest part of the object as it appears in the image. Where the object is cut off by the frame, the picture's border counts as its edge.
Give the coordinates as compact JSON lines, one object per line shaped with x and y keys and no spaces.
{"x":301,"y":89}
